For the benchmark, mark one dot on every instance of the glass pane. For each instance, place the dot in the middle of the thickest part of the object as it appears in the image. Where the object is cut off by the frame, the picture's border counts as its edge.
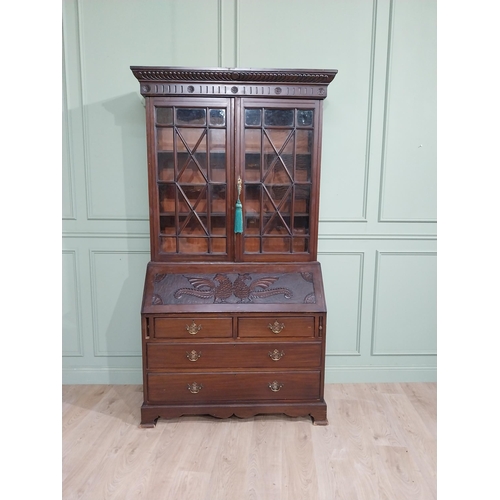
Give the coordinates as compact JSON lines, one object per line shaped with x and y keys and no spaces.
{"x":303,"y":168}
{"x":192,"y":225}
{"x":278,"y":117}
{"x":252,"y":117}
{"x":252,"y":245}
{"x":165,"y":138}
{"x":217,"y":117}
{"x":191,"y":173}
{"x":304,"y":117}
{"x":191,"y":116}
{"x":168,"y":245}
{"x":252,"y":225}
{"x":218,"y":245}
{"x":217,"y":146}
{"x":164,"y":116}
{"x":191,"y":140}
{"x":300,"y":245}
{"x":302,"y":198}
{"x":196,"y":199}
{"x":301,"y":225}
{"x":274,"y":225}
{"x":193,"y":245}
{"x":272,"y":245}
{"x":252,"y":140}
{"x":252,"y":199}
{"x":166,"y":166}
{"x":278,"y":169}
{"x":218,"y":167}
{"x":167,"y":225}
{"x":218,"y":199}
{"x":218,"y":225}
{"x":252,"y":154}
{"x":304,"y":141}
{"x":252,"y":167}
{"x":167,"y":197}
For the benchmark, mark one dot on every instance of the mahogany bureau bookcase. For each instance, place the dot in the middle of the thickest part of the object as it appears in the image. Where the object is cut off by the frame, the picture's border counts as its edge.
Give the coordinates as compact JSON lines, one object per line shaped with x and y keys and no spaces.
{"x":233,"y":313}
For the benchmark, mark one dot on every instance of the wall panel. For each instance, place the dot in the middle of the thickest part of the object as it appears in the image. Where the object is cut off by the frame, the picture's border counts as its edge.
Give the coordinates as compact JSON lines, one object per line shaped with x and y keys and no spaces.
{"x":117,"y":277}
{"x":405,"y":315}
{"x":377,"y":211}
{"x":72,"y":340}
{"x":408,"y":189}
{"x":344,"y":298}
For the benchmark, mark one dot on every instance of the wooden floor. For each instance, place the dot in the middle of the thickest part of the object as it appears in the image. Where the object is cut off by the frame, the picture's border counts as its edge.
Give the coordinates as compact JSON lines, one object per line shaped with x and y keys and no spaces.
{"x":380,"y":444}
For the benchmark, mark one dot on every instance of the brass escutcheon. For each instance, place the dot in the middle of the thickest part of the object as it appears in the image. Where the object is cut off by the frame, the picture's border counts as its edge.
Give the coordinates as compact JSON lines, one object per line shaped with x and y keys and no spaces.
{"x":275,"y":386}
{"x":193,"y":328}
{"x":193,"y":355}
{"x":276,"y":327}
{"x":276,"y":355}
{"x":194,"y":388}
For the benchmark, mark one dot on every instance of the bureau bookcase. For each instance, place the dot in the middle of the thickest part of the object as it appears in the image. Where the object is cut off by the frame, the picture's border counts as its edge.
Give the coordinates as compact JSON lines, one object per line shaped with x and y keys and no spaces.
{"x":233,"y":312}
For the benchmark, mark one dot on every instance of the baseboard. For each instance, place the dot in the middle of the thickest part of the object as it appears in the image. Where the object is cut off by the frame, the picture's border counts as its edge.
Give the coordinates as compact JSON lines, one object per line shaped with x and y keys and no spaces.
{"x":380,"y":374}
{"x":75,"y":376}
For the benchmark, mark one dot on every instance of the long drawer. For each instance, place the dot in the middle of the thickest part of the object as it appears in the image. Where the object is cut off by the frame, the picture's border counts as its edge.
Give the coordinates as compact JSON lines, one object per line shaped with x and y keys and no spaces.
{"x":209,"y":388}
{"x":276,"y":326}
{"x":270,"y":355}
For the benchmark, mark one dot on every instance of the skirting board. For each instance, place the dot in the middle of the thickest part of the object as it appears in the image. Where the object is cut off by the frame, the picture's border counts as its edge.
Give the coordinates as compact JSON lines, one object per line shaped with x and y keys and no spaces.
{"x":379,"y":374}
{"x":333,"y":375}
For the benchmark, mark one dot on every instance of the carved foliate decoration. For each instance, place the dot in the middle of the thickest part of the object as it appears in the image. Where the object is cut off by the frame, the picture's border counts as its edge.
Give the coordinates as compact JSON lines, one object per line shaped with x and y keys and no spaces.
{"x":233,"y":288}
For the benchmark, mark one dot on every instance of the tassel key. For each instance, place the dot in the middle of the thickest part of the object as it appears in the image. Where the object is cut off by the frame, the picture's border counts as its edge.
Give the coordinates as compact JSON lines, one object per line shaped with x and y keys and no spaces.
{"x":238,"y":213}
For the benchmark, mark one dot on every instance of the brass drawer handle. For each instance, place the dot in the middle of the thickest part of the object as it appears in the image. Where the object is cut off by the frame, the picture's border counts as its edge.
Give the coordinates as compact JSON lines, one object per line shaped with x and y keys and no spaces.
{"x":276,"y":355}
{"x":275,"y":386}
{"x":193,"y":328}
{"x":276,"y":327}
{"x":194,"y":388}
{"x":193,"y":355}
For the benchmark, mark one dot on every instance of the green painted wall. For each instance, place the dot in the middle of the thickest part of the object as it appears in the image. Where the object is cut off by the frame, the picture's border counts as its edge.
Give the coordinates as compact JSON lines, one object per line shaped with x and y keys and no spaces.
{"x":378,"y":191}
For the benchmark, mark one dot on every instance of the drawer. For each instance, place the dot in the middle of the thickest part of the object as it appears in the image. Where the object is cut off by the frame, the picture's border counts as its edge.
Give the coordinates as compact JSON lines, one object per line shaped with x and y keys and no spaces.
{"x":209,"y":388}
{"x":271,"y":355}
{"x":276,"y":326}
{"x":192,"y":327}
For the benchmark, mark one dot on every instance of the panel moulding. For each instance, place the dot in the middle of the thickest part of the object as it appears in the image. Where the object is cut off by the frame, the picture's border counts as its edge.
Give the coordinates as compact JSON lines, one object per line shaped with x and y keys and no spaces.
{"x":357,"y":351}
{"x":374,"y":351}
{"x":94,"y":295}
{"x":79,"y":328}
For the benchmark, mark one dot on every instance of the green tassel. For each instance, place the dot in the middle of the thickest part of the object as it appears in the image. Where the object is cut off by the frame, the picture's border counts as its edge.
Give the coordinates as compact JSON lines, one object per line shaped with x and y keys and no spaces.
{"x":238,"y":217}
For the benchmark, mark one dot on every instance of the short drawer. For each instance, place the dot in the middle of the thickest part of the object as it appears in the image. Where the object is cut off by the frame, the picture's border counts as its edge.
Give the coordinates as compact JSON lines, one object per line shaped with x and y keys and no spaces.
{"x":276,"y":327}
{"x":209,"y":388}
{"x":195,"y":327}
{"x":199,"y":356}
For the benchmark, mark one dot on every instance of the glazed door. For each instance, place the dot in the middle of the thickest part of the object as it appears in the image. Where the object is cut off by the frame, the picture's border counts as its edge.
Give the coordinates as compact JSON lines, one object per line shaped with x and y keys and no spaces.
{"x":191,"y":178}
{"x":278,"y":152}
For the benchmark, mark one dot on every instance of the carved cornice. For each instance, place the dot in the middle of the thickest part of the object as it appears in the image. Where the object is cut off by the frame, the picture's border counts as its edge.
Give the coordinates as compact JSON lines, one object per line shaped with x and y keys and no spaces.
{"x":301,"y":83}
{"x":177,"y":74}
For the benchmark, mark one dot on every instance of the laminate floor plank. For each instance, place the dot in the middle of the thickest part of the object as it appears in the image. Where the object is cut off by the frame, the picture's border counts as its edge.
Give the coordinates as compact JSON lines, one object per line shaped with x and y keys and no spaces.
{"x":263,"y":478}
{"x":380,"y":444}
{"x":299,"y":470}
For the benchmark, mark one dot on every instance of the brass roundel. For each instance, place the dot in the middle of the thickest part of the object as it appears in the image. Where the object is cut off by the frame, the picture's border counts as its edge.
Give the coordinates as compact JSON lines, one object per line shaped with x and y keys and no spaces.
{"x":234,"y":90}
{"x":190,"y":89}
